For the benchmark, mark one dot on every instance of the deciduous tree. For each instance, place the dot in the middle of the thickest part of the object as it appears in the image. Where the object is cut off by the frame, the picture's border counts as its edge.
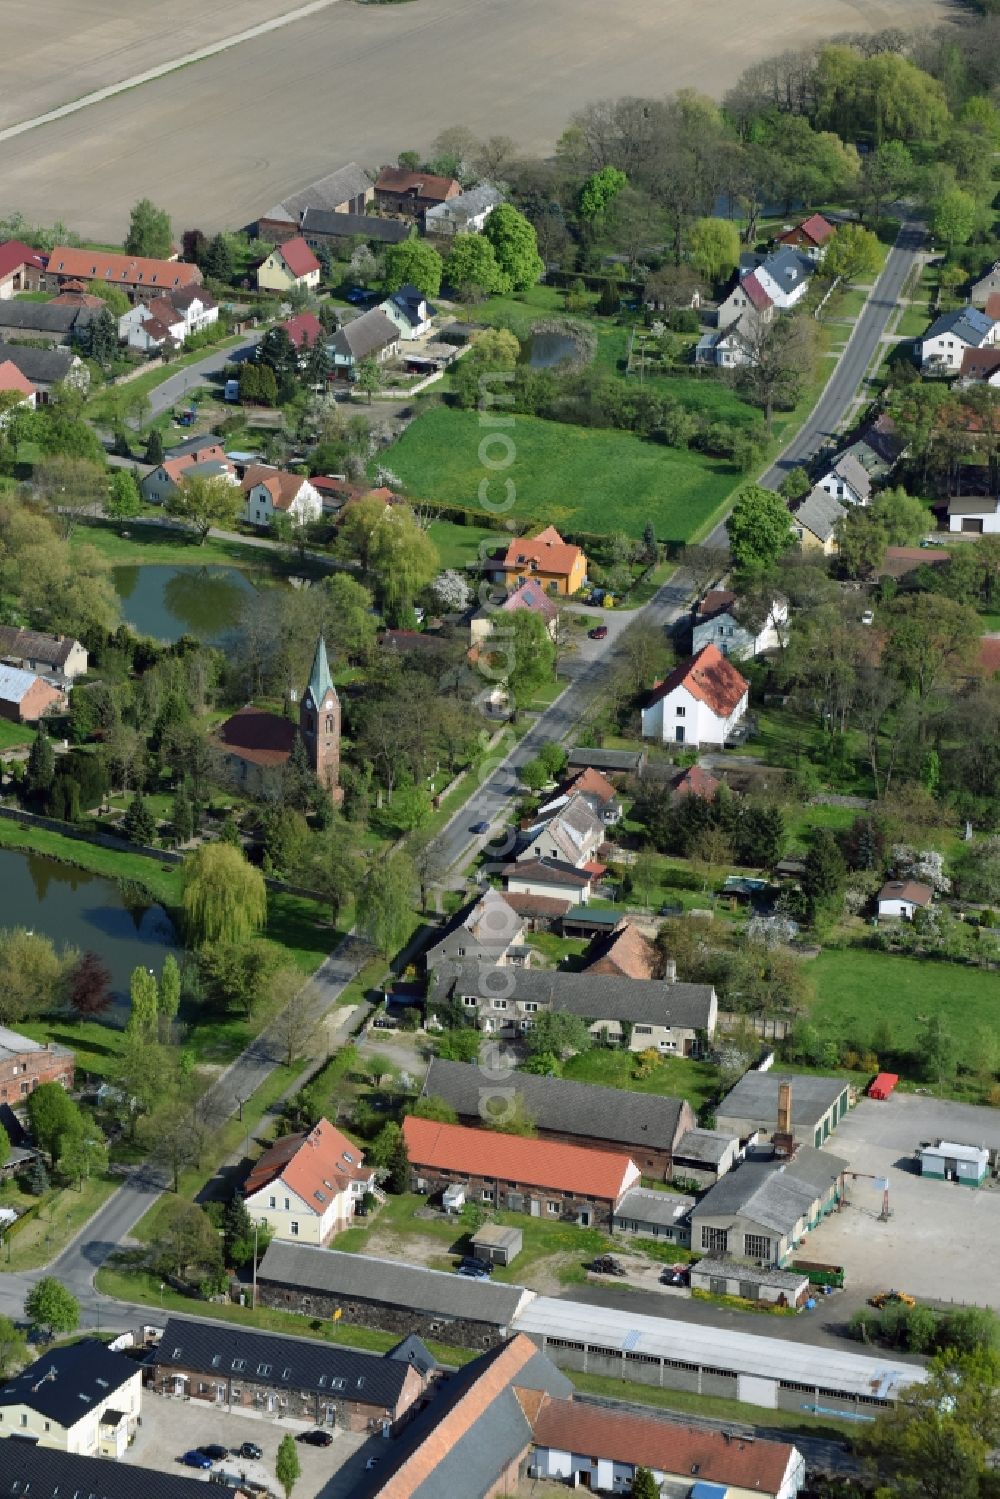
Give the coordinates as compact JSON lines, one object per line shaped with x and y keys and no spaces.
{"x":414,"y":262}
{"x":149,"y":231}
{"x":203,"y":503}
{"x":472,"y":269}
{"x":759,"y":528}
{"x":385,"y":901}
{"x":515,"y":246}
{"x":51,"y":1309}
{"x":225,"y":899}
{"x":89,"y":989}
{"x":714,"y":246}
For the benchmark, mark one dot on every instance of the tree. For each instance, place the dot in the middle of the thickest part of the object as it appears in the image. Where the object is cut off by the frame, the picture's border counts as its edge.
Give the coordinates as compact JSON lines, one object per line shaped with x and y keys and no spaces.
{"x":393,"y":549}
{"x":114,"y":296}
{"x":89,"y":990}
{"x":413,"y":262}
{"x":203,"y":503}
{"x":515,"y":245}
{"x":759,"y":528}
{"x":4,"y":1150}
{"x":599,"y":192}
{"x":258,"y":385}
{"x":861,"y":542}
{"x":144,"y":996}
{"x":72,"y":486}
{"x":471,"y":267}
{"x":149,"y":231}
{"x":277,"y":352}
{"x":930,"y":638}
{"x":224,"y":897}
{"x":824,"y":870}
{"x":124,"y":501}
{"x":182,"y":816}
{"x":237,"y":1233}
{"x":13,"y":1347}
{"x":154,"y":447}
{"x":138,"y":824}
{"x":217,"y":261}
{"x":644,"y":1485}
{"x":53,"y":1116}
{"x":41,"y":766}
{"x":524,"y":657}
{"x":885,"y":173}
{"x":84,"y":1155}
{"x":954,"y":218}
{"x":32,"y":974}
{"x":433,"y":1107}
{"x":557,"y":1033}
{"x":451,"y":590}
{"x":369,"y":376}
{"x":169,"y":998}
{"x":102,"y":338}
{"x":187,"y":1240}
{"x":936,"y":1049}
{"x":295,"y":1025}
{"x":853,"y":254}
{"x":385,"y":901}
{"x":714,"y":246}
{"x":780,"y":357}
{"x":51,"y":1309}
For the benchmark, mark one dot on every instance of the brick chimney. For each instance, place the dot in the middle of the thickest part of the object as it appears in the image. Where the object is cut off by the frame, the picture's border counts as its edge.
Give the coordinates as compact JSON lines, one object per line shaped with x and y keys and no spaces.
{"x":783,"y":1138}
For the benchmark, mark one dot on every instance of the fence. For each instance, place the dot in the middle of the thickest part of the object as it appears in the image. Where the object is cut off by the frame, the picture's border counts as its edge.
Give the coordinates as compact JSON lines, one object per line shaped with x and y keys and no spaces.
{"x":767,"y":1027}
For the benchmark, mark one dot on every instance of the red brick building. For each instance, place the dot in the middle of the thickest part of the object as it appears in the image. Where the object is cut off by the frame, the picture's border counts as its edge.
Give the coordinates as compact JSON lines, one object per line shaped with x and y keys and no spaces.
{"x":25,"y":698}
{"x":412,"y":193}
{"x":24,"y":1064}
{"x":544,"y":1178}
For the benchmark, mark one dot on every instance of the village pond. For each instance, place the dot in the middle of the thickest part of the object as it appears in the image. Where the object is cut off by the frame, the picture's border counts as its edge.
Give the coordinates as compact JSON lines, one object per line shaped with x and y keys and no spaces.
{"x":84,"y":911}
{"x":168,"y":601}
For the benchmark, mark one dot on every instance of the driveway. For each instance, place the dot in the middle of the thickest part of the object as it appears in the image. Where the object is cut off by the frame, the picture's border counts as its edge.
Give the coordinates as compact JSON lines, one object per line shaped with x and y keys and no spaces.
{"x":171,"y":1427}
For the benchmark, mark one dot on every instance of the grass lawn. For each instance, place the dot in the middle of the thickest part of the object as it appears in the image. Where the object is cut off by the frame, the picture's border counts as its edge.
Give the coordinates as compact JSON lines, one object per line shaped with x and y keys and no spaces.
{"x":578,"y":478}
{"x":674,"y":1077}
{"x":855,"y":988}
{"x":97,"y":1046}
{"x":518,"y":313}
{"x":458,"y":546}
{"x":913,"y":322}
{"x":144,"y":1287}
{"x":152,"y":544}
{"x":988,"y":623}
{"x":100,"y":407}
{"x":13,"y":735}
{"x":685,"y":1402}
{"x":62,"y":1216}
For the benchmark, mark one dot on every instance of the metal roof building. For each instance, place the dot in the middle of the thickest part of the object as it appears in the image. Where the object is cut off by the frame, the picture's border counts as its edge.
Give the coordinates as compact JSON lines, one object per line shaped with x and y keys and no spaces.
{"x":773,"y":1372}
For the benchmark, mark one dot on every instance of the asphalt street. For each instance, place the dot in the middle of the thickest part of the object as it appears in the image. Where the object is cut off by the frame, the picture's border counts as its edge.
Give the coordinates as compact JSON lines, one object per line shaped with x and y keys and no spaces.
{"x":175,"y":389}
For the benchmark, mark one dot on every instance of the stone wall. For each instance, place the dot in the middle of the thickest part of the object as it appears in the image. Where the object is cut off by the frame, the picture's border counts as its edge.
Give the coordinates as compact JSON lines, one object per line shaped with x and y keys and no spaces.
{"x":400,"y":1321}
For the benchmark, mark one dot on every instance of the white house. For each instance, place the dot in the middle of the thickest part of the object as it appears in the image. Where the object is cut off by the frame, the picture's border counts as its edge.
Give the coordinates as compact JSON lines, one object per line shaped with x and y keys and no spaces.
{"x":466,"y":214}
{"x":716,"y":624}
{"x":785,"y":275}
{"x":903,"y":898}
{"x":552,"y":877}
{"x":370,"y":336}
{"x":974,"y":514}
{"x":80,"y":1398}
{"x":848,"y":481}
{"x":572,"y":834}
{"x":728,"y":347}
{"x":946,"y":341}
{"x":168,"y":319}
{"x":306,"y":1187}
{"x":701,"y":702}
{"x":410,"y":311}
{"x":272,"y":491}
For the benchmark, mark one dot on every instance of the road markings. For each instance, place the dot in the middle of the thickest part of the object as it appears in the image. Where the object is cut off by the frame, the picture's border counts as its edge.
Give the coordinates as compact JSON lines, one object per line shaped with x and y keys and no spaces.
{"x":162,"y":69}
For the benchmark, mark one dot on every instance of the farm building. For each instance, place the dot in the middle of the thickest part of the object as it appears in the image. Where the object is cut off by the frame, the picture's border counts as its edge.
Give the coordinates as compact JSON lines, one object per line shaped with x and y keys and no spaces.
{"x":819,"y":1105}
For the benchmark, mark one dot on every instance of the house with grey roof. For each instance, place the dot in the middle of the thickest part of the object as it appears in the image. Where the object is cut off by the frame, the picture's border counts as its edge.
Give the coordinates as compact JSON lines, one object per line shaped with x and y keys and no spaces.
{"x":320,"y":227}
{"x":847,"y":480}
{"x":48,"y":322}
{"x":388,"y":1294}
{"x":654,"y":1215}
{"x":761,"y":1211}
{"x":489,"y":931}
{"x":642,"y":1014}
{"x":728,"y":347}
{"x":466,"y":214}
{"x":946,"y":341}
{"x":349,"y":189}
{"x":815,"y":522}
{"x":573,"y":834}
{"x":817,"y":1105}
{"x":974,"y":514}
{"x":644,"y":1125}
{"x":46,"y":1473}
{"x":703,"y":1155}
{"x":46,"y":368}
{"x":370,"y":336}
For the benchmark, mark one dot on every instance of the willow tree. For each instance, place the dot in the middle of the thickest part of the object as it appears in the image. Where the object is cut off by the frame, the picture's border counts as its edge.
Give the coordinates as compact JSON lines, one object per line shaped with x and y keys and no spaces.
{"x":225,"y":899}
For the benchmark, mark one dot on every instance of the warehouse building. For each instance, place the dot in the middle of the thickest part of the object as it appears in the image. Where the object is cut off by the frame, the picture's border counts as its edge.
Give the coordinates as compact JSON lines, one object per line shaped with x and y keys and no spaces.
{"x":655,"y":1215}
{"x":387,"y":1294}
{"x":761,"y":1211}
{"x":819,"y":1104}
{"x":752,"y":1283}
{"x":773,"y":1372}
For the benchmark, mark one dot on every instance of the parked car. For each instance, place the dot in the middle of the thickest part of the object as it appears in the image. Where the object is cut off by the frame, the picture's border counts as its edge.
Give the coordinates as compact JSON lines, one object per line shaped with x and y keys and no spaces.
{"x":599,"y":632}
{"x":371,"y":1462}
{"x":214,"y":1452}
{"x":357,"y":296}
{"x":195,"y":1459}
{"x":479,"y":827}
{"x":674,"y":1275}
{"x":315,"y":1438}
{"x":249,"y":1450}
{"x":868,"y":618}
{"x":475,"y":1269}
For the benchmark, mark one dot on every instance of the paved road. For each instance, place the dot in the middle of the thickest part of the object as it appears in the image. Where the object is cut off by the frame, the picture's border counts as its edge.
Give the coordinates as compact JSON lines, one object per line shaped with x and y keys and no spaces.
{"x":175,"y":389}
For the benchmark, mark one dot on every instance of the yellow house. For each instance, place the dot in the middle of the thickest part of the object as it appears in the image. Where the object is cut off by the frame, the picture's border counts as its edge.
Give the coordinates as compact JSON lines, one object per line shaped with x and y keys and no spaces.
{"x":288,"y":265}
{"x":815,"y":522}
{"x":82,"y":1398}
{"x":558,"y":565}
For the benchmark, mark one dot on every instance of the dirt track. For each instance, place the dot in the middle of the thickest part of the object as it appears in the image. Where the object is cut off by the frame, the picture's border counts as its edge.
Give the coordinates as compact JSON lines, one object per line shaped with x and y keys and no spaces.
{"x":221,"y":140}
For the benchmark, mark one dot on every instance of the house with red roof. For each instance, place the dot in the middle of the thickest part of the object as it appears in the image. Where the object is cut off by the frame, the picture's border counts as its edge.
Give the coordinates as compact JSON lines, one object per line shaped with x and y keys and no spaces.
{"x":304,"y":329}
{"x":11,"y":380}
{"x":746,"y":297}
{"x":811,"y":237}
{"x":544,"y":1178}
{"x":409,"y":194}
{"x":702,"y":701}
{"x":206,"y":462}
{"x":306,"y":1186}
{"x":695,"y":782}
{"x":272,"y":492}
{"x":528,"y":593}
{"x":138,"y":275}
{"x":21,"y":269}
{"x":288,"y":265}
{"x":584,"y":1445}
{"x":558,"y":565}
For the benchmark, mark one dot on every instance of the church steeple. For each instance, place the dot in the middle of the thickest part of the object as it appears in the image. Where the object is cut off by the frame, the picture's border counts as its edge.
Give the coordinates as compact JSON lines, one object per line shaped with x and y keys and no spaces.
{"x":319,"y":722}
{"x":320,"y":680}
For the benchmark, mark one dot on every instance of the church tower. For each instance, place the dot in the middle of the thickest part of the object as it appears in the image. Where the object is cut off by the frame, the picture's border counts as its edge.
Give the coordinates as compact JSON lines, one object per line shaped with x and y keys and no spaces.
{"x":319,"y":723}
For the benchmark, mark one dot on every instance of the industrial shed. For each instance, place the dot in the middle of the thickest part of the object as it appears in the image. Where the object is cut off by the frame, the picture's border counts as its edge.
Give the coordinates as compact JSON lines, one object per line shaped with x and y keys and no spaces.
{"x":381,"y":1293}
{"x":948,"y":1161}
{"x":817,"y":1105}
{"x":729,"y":1278}
{"x":654,"y":1215}
{"x":773,"y":1372}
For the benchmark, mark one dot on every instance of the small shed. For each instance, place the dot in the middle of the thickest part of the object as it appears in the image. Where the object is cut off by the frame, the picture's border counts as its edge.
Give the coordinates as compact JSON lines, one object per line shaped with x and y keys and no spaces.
{"x":883,"y":1086}
{"x":654,"y":1215}
{"x":453,"y":1197}
{"x":589,"y":921}
{"x":948,"y":1161}
{"x":497,"y":1245}
{"x":751,"y":1282}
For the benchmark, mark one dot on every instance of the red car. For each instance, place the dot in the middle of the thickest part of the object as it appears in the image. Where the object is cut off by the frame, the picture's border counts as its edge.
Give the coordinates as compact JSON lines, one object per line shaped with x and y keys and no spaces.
{"x":599,"y":632}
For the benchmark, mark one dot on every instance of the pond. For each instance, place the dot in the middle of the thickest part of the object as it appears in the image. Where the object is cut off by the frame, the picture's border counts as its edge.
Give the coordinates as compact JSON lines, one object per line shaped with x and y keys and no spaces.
{"x":168,"y":601}
{"x":544,"y":351}
{"x":85,"y":911}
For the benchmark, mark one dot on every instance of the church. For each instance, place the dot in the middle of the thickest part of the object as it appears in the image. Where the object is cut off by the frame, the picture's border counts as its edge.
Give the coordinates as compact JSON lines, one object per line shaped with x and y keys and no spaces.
{"x":255,"y":745}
